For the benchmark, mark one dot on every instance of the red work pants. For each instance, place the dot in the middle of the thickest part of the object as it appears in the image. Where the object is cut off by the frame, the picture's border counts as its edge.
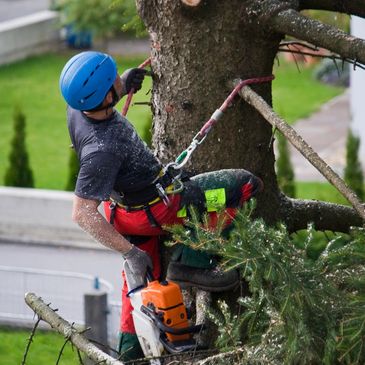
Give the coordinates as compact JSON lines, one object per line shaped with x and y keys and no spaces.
{"x":137,"y":223}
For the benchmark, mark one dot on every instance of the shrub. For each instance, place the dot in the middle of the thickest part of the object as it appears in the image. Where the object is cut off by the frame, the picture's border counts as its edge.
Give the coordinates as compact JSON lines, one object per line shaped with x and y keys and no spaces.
{"x":353,"y":171}
{"x":284,"y":168}
{"x":19,"y":172}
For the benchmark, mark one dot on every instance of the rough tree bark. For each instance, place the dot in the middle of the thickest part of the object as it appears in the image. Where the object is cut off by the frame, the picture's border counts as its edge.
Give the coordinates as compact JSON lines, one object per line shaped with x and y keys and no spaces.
{"x":197,"y":49}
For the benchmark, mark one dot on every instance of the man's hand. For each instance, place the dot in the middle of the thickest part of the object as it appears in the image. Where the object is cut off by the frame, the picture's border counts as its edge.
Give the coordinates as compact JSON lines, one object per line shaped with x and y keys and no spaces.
{"x":138,"y":261}
{"x":133,"y":78}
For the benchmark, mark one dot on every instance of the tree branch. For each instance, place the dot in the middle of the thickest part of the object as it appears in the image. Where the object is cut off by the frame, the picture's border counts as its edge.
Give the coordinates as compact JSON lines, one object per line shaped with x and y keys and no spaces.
{"x":297,"y":25}
{"x":351,"y":7}
{"x":302,"y":146}
{"x":298,"y":213}
{"x":66,"y":329}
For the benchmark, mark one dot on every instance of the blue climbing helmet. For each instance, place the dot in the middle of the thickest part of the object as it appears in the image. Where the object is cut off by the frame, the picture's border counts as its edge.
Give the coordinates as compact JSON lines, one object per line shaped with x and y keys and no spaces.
{"x":86,"y":79}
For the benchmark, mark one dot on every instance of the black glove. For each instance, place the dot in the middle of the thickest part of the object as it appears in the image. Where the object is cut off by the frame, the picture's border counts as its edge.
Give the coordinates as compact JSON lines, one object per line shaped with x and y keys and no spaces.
{"x":133,"y":78}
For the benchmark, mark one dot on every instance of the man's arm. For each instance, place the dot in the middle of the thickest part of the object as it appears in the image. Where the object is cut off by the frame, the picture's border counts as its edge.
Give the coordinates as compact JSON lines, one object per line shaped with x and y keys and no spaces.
{"x":85,"y":213}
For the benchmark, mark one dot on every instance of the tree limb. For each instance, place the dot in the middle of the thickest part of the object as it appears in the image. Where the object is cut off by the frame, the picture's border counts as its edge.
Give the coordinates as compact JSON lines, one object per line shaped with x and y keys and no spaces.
{"x":292,"y":23}
{"x":67,"y":330}
{"x":351,"y":7}
{"x":298,"y":213}
{"x":302,"y":146}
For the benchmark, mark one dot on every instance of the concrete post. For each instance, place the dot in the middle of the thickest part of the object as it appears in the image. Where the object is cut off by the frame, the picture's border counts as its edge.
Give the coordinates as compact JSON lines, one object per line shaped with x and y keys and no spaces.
{"x":96,"y":310}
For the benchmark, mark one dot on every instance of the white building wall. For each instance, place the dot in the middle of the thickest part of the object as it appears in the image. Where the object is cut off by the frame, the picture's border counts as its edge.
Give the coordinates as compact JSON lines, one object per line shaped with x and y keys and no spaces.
{"x":28,"y":35}
{"x":358,"y":90}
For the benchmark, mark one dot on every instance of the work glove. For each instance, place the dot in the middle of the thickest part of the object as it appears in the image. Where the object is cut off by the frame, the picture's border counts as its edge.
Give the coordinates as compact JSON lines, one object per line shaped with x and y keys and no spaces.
{"x":138,"y":261}
{"x":133,"y":78}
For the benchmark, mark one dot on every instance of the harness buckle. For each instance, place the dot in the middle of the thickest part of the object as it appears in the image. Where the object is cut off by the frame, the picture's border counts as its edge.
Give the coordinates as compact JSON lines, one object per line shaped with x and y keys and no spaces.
{"x":162,"y":194}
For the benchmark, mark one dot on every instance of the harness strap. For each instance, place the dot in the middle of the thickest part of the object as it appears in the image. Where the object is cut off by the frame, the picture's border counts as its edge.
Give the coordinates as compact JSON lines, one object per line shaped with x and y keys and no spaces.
{"x":151,"y":218}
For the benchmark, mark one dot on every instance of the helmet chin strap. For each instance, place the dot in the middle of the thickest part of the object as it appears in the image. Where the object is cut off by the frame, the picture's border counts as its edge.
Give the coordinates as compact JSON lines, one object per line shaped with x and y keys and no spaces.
{"x":115,"y":100}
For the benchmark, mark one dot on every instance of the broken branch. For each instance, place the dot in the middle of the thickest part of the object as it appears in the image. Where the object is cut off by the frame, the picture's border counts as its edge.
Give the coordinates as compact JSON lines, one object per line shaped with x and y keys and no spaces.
{"x":68,"y":331}
{"x":302,"y":146}
{"x":323,"y":35}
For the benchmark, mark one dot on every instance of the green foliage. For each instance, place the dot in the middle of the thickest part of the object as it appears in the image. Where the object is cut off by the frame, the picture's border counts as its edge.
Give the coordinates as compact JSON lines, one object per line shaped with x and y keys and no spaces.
{"x":19,"y":172}
{"x":301,"y":310}
{"x":284,"y":168}
{"x":353,"y":171}
{"x":104,"y":18}
{"x":73,"y":166}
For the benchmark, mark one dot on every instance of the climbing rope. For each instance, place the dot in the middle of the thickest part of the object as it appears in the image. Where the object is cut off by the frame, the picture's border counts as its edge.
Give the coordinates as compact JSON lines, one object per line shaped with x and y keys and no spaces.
{"x":200,"y":137}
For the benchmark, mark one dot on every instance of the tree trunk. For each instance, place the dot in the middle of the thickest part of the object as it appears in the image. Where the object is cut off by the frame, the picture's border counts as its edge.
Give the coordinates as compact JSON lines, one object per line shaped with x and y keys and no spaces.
{"x":195,"y":53}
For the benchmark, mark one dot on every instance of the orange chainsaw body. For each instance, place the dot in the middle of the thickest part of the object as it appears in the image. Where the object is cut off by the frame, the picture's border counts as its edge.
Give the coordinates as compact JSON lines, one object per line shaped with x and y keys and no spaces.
{"x":167,"y":300}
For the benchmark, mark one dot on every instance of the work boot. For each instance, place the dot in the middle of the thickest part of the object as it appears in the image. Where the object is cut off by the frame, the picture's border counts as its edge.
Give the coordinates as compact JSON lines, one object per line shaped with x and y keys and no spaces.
{"x":213,"y":280}
{"x":129,"y":347}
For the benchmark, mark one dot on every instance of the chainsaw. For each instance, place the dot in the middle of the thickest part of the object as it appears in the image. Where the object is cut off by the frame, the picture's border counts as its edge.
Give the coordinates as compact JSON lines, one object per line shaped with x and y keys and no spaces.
{"x":160,"y":316}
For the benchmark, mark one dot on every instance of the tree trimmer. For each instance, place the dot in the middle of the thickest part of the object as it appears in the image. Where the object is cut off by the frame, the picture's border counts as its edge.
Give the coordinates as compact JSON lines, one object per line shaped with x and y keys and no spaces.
{"x":160,"y":316}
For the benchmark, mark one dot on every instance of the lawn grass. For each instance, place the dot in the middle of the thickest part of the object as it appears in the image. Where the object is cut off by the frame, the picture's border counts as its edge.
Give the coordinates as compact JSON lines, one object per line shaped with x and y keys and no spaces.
{"x":319,"y":191}
{"x":297,"y":94}
{"x":43,"y":351}
{"x":33,"y":84}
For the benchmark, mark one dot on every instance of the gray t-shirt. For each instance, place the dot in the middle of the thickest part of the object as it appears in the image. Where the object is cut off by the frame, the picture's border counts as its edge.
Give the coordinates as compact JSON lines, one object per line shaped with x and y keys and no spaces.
{"x":112,"y":156}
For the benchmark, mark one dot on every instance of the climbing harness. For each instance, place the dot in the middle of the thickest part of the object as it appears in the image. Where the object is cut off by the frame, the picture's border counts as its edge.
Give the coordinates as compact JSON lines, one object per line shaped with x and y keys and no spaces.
{"x":174,"y":169}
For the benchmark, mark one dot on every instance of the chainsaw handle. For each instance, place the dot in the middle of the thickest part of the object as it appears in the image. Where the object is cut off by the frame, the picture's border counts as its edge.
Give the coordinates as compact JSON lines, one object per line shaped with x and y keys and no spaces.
{"x":174,"y":331}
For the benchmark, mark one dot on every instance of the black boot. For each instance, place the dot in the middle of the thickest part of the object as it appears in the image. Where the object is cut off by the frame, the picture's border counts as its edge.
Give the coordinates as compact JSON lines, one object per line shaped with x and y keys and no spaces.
{"x":213,"y":280}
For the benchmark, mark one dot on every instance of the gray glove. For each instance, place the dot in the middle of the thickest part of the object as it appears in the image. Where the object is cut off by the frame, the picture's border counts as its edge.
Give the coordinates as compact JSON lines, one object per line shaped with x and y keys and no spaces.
{"x":138,"y":261}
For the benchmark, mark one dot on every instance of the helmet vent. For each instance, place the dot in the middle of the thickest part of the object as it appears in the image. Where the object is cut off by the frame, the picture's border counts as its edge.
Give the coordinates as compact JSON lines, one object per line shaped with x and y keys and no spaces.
{"x":91,"y":74}
{"x":88,"y":96}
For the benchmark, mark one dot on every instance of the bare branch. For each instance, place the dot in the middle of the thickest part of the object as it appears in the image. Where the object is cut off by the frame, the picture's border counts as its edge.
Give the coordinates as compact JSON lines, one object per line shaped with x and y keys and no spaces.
{"x":302,"y":146}
{"x":352,"y":7}
{"x":328,"y":56}
{"x":297,"y":25}
{"x":66,"y":329}
{"x":298,"y":213}
{"x":30,"y":340}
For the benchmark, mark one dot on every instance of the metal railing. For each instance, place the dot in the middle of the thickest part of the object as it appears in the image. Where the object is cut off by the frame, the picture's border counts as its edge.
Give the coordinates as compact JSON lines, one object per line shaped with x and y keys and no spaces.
{"x":63,"y":290}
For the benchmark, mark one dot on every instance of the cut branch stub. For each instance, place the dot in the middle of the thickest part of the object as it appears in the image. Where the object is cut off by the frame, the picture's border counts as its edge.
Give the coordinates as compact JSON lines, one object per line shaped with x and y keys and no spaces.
{"x":191,"y":3}
{"x":66,"y":329}
{"x":302,"y":146}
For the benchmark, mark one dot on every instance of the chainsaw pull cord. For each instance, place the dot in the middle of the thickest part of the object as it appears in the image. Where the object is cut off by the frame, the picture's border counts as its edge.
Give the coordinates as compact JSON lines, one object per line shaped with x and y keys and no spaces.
{"x":144,"y":64}
{"x":199,"y":138}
